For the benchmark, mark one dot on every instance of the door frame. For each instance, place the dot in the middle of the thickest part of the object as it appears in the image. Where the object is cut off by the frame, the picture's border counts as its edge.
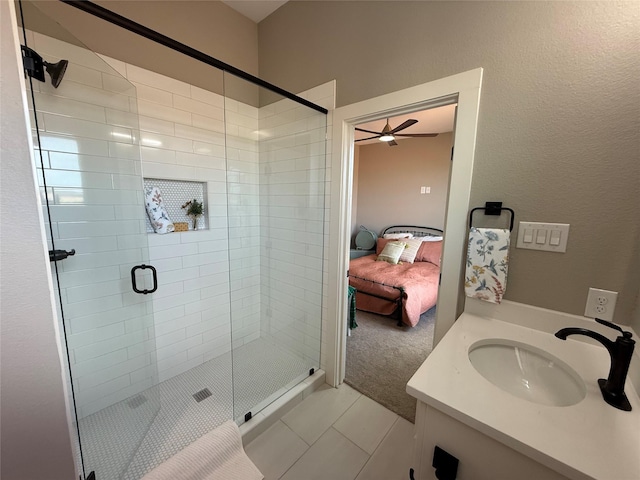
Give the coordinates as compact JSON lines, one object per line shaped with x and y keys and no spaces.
{"x":463,"y":89}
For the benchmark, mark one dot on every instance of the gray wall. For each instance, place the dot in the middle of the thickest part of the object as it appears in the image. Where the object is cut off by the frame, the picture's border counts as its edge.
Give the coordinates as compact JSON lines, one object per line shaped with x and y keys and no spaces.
{"x":208,"y":26}
{"x":35,"y":436}
{"x":559,"y":118}
{"x":389,"y":181}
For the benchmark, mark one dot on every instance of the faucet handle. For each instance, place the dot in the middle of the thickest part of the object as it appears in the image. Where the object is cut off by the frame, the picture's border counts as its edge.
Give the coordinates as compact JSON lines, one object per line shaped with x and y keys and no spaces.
{"x":614,"y":326}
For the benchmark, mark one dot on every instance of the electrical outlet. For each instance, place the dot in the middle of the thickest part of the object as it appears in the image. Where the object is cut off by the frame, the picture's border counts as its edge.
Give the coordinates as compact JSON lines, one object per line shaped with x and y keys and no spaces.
{"x":600,"y":304}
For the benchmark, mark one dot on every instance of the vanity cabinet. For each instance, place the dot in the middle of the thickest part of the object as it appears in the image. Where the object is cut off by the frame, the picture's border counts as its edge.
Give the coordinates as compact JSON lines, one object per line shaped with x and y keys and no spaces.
{"x":480,"y":457}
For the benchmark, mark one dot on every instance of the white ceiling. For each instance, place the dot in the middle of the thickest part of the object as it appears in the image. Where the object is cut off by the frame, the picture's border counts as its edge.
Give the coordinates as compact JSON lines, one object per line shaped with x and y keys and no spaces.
{"x":434,"y":120}
{"x":256,"y":10}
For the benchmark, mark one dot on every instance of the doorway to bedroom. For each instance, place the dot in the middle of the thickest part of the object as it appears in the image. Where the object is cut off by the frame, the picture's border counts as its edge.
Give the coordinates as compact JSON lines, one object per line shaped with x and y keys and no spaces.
{"x":399,"y":191}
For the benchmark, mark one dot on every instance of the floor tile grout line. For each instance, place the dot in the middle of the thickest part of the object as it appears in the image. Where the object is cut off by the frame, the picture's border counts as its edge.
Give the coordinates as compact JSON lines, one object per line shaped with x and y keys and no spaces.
{"x":378,"y":446}
{"x":324,"y":433}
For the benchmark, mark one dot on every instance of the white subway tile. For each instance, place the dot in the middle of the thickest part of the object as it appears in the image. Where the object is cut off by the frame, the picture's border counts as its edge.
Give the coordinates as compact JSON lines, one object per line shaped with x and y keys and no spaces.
{"x":99,"y":391}
{"x":163,"y":112}
{"x":206,"y":96}
{"x":166,"y":339}
{"x":105,"y":317}
{"x":151,"y":139}
{"x":157,"y":155}
{"x":171,"y":172}
{"x":155,"y":95}
{"x":177,"y":347}
{"x":211,"y":149}
{"x":177,"y":365}
{"x":139,"y":75}
{"x":194,"y":106}
{"x":209,"y":123}
{"x":118,"y":84}
{"x":200,"y":134}
{"x":99,"y":363}
{"x":176,"y":300}
{"x":108,"y":374}
{"x":98,"y":229}
{"x":117,"y":65}
{"x":149,"y":124}
{"x":100,"y":348}
{"x":124,"y":150}
{"x":89,"y":163}
{"x":71,"y":108}
{"x":178,"y":324}
{"x":61,"y":143}
{"x":198,"y":160}
{"x":173,"y":251}
{"x":97,"y":290}
{"x":92,"y":95}
{"x":168,"y":264}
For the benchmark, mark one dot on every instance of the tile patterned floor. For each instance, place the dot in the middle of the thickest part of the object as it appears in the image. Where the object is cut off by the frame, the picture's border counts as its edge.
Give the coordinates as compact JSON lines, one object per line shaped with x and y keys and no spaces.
{"x":335,"y":434}
{"x":130,"y":438}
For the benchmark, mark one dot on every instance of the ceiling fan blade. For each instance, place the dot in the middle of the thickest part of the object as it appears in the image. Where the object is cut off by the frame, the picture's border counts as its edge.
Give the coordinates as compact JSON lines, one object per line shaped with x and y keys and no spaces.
{"x":416,"y":134}
{"x":392,"y":143}
{"x":368,"y":131}
{"x":403,"y":125}
{"x":363,"y":139}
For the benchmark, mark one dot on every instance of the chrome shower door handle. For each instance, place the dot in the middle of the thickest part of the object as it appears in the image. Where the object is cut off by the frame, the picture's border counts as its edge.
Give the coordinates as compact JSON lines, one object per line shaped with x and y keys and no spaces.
{"x":133,"y":279}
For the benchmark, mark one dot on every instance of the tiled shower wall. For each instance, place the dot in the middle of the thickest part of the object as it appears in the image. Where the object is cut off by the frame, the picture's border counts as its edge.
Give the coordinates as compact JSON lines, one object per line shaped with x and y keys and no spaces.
{"x":203,"y":275}
{"x":292,"y":212}
{"x":93,"y":179}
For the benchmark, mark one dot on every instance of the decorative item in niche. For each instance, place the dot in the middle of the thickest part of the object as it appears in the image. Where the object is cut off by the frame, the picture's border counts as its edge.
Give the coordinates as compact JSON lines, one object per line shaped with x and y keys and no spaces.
{"x":158,"y":216}
{"x":174,"y":194}
{"x":194,"y":210}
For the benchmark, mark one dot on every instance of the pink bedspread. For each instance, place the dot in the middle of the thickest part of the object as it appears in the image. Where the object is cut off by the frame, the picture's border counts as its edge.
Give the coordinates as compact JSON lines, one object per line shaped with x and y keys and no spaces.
{"x":419,"y":279}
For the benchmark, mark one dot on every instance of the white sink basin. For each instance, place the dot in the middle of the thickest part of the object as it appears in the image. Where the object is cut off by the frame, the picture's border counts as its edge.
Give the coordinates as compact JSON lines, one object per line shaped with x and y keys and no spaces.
{"x":527,"y":372}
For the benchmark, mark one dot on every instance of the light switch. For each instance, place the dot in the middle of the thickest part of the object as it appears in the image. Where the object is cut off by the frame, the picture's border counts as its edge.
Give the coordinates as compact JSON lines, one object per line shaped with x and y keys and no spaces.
{"x":551,"y":237}
{"x":428,"y":189}
{"x":527,"y":237}
{"x":423,"y":190}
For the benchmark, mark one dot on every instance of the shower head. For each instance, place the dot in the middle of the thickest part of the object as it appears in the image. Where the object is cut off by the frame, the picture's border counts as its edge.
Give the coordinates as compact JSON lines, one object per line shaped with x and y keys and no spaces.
{"x":35,"y":66}
{"x":56,"y":71}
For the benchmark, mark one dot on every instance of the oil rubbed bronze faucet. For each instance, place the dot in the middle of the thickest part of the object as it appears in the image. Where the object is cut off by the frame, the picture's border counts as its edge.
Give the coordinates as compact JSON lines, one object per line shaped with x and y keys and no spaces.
{"x":620,"y":351}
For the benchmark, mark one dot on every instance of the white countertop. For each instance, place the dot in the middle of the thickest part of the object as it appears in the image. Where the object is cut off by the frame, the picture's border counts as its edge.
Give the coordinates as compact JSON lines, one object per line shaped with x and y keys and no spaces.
{"x":588,"y":440}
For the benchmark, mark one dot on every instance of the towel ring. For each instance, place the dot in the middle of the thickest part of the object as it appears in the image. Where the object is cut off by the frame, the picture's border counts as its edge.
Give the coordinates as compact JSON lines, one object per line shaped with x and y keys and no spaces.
{"x":493,"y":208}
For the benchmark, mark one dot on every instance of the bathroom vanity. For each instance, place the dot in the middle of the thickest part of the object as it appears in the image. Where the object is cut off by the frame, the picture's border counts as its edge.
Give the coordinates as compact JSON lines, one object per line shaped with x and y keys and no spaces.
{"x":512,"y":431}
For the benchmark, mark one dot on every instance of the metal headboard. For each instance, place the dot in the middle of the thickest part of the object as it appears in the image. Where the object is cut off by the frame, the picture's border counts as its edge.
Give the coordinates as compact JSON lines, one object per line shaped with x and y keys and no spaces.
{"x":416,"y":230}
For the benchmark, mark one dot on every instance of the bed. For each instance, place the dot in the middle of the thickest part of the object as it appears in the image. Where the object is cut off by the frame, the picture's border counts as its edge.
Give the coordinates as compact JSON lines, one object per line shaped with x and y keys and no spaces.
{"x":406,"y":289}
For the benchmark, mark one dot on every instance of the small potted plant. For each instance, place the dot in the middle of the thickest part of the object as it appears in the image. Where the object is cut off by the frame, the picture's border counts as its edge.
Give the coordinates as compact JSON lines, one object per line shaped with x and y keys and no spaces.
{"x":194,"y":210}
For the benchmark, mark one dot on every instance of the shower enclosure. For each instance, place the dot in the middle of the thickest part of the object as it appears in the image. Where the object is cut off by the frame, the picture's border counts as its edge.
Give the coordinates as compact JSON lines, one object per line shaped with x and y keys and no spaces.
{"x":229,"y":317}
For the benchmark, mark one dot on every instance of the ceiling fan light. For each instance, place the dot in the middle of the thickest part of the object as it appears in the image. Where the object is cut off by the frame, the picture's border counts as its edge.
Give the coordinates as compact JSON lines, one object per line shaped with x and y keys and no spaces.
{"x":387,"y":138}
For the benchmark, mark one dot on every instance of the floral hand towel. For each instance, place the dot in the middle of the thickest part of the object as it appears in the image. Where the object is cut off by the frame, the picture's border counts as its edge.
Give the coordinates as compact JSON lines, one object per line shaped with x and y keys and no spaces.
{"x":487,"y":264}
{"x":158,"y":215}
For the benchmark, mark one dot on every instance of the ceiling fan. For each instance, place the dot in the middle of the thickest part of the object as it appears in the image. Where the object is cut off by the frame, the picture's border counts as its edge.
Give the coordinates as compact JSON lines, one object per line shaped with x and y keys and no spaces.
{"x":388,"y":134}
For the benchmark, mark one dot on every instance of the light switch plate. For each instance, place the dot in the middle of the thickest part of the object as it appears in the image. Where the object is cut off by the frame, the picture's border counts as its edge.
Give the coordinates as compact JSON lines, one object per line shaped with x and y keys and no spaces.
{"x":550,"y":237}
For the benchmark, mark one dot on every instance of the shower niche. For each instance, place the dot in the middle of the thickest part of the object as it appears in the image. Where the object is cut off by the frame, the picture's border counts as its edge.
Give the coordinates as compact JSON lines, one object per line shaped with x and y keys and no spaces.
{"x":175,"y":195}
{"x":237,"y":311}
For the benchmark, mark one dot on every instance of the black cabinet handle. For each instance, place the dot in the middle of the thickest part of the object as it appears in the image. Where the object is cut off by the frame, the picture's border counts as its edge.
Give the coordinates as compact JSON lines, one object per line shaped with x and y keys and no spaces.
{"x":133,"y":279}
{"x":55,"y":255}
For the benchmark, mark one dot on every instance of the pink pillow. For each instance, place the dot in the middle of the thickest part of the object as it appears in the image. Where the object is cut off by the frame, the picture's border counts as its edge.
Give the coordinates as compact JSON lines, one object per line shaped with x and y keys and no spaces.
{"x":380,"y":244}
{"x":430,"y":252}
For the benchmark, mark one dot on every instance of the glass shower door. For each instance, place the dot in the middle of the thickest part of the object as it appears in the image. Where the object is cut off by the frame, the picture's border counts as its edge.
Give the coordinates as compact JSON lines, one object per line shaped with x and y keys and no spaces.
{"x":275,"y":149}
{"x":85,"y":130}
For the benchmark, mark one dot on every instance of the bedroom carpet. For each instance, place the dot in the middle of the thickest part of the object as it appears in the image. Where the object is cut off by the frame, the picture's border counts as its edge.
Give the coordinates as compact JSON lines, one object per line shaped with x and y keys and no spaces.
{"x":382,"y":357}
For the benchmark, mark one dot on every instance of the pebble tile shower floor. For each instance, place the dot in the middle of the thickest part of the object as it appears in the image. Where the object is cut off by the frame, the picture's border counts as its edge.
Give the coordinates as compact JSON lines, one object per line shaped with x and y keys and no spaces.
{"x":261,"y":370}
